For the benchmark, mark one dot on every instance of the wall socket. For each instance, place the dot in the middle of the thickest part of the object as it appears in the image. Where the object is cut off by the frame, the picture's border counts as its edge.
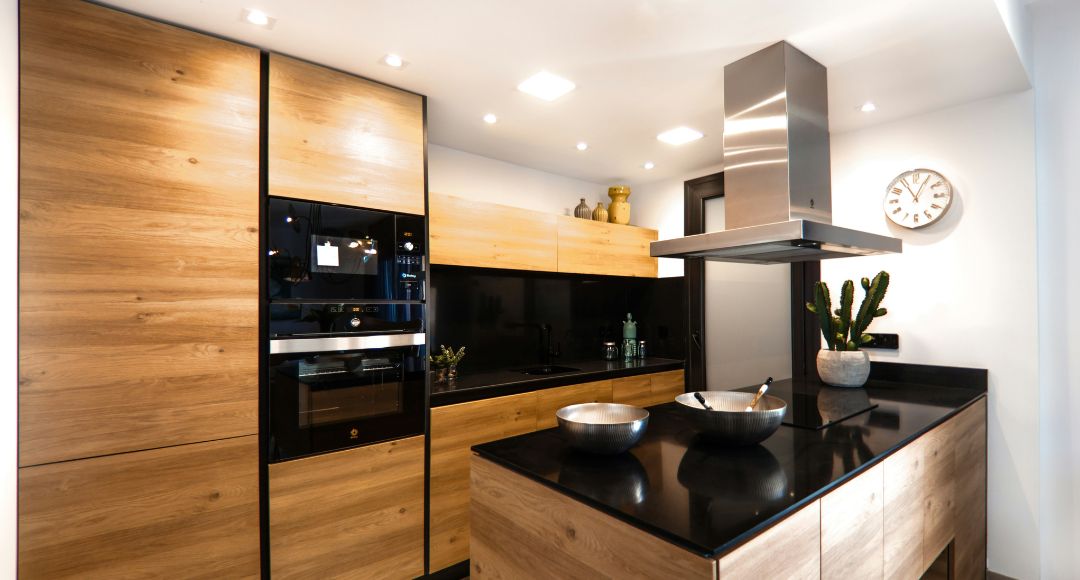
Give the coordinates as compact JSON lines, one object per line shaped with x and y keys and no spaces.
{"x":883,"y":340}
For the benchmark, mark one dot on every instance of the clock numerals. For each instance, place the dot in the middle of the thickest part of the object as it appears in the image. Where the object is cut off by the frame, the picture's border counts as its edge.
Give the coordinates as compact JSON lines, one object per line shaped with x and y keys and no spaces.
{"x":916,"y":218}
{"x":894,"y":201}
{"x":935,"y":206}
{"x":928,"y":214}
{"x":917,"y":198}
{"x":896,"y":191}
{"x":940,"y":195}
{"x":938,"y":184}
{"x":896,"y":211}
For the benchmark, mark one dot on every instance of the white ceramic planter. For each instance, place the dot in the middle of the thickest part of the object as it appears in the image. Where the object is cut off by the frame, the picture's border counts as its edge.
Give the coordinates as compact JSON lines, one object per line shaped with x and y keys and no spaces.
{"x":843,"y":368}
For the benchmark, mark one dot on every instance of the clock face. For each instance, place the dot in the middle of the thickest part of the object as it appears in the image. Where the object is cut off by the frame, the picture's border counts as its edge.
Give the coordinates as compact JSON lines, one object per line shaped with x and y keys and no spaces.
{"x":917,"y":198}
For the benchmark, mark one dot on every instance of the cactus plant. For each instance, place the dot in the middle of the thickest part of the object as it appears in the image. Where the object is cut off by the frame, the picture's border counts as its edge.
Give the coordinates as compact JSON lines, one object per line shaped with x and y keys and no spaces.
{"x":841,"y":332}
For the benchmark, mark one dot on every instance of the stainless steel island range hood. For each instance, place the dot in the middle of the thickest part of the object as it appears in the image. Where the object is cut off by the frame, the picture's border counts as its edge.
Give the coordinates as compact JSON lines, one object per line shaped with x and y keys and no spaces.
{"x":778,"y":204}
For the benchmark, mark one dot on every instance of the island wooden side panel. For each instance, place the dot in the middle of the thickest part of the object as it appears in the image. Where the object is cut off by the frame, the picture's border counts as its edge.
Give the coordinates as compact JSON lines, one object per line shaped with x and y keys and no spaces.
{"x":790,"y":549}
{"x":852,"y":522}
{"x":522,"y":529}
{"x":969,"y":449}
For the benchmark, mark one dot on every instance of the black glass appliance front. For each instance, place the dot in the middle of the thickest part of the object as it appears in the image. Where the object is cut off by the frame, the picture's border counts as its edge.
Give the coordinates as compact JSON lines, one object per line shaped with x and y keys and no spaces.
{"x":296,"y":319}
{"x":324,"y":400}
{"x":331,"y":252}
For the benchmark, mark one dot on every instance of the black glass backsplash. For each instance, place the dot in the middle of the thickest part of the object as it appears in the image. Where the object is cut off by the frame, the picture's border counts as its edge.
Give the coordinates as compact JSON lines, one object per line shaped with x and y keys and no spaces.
{"x":497,"y":314}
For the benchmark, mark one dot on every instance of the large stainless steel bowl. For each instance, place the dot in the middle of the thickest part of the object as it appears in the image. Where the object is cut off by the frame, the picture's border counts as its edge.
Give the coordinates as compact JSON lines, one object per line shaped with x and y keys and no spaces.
{"x":729,"y":421}
{"x":602,"y":427}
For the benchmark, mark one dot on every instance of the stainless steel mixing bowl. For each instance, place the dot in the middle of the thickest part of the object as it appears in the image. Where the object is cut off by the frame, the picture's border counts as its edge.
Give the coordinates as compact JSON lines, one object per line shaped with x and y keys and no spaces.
{"x":729,"y":421}
{"x":602,"y":427}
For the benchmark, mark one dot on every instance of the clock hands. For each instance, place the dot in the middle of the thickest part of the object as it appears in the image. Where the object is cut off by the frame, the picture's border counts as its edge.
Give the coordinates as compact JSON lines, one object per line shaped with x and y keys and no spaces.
{"x":921,"y":188}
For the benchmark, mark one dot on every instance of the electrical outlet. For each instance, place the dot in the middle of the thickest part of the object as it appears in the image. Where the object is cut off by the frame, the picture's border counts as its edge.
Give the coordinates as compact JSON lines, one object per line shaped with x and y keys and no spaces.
{"x":883,"y":340}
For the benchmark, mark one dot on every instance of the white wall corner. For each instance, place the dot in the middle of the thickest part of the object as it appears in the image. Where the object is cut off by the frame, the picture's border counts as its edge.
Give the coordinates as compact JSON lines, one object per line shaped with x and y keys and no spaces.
{"x":1017,"y":20}
{"x":9,"y":188}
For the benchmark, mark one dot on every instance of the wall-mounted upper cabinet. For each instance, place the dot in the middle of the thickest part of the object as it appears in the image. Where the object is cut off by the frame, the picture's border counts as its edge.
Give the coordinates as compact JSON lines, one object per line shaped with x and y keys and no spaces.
{"x":338,"y":138}
{"x":589,"y":247}
{"x":474,"y":233}
{"x":466,"y":232}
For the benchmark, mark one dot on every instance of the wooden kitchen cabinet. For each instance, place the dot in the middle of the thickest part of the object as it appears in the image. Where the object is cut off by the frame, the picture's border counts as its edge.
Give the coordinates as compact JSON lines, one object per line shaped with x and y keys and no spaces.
{"x":337,"y":138}
{"x":647,"y":390}
{"x":471,"y":233}
{"x":138,"y":234}
{"x":549,"y":401}
{"x":454,"y":430}
{"x":852,"y":519}
{"x":790,"y":549}
{"x":177,"y":512}
{"x":968,"y":437}
{"x":590,"y":247}
{"x":354,"y":513}
{"x":905,"y":498}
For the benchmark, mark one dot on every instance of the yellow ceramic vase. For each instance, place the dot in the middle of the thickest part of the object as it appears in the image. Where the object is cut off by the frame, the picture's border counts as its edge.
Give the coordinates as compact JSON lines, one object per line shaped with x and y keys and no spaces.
{"x":619,"y":210}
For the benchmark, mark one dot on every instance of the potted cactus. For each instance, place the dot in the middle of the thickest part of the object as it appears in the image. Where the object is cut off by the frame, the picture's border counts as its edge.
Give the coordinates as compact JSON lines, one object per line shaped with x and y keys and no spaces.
{"x":842,"y":364}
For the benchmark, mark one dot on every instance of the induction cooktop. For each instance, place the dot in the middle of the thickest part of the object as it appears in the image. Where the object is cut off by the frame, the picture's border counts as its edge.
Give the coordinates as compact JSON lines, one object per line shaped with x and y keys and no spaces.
{"x":812,"y":405}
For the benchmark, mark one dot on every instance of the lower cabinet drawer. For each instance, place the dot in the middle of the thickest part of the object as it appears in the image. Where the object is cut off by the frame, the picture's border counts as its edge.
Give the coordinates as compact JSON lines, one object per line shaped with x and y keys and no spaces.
{"x":648,"y":390}
{"x":161,"y":513}
{"x":354,"y":513}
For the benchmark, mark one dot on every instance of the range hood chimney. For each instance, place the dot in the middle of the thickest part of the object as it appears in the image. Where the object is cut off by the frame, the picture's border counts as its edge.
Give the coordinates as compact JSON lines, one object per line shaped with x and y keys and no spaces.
{"x":778,"y":203}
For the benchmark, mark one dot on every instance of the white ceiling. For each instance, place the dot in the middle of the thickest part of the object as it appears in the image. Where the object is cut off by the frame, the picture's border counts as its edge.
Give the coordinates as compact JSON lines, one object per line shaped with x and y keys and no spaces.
{"x":641,"y":66}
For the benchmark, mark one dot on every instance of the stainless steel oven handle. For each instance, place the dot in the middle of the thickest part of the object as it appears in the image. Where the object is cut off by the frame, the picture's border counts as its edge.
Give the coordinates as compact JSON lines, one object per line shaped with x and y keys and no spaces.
{"x":305,"y":345}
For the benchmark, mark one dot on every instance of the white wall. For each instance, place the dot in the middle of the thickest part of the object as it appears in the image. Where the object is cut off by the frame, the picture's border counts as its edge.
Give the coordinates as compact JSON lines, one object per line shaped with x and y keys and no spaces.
{"x":472,"y":176}
{"x":1057,"y":121}
{"x":9,"y":186}
{"x":963,"y":291}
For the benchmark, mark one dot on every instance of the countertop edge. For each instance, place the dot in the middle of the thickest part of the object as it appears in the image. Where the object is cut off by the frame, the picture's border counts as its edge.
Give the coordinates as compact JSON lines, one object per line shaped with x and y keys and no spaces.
{"x":547,"y":382}
{"x":754,"y":531}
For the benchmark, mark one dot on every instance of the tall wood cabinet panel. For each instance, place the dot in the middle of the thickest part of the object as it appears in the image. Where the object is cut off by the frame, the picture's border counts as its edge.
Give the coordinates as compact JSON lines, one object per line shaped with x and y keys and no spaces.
{"x":852,"y":528}
{"x":180,"y":512}
{"x":338,"y":138}
{"x":138,"y":242}
{"x":589,"y":247}
{"x":472,"y":233}
{"x":551,"y":400}
{"x":454,"y":430}
{"x":356,"y":513}
{"x":790,"y":549}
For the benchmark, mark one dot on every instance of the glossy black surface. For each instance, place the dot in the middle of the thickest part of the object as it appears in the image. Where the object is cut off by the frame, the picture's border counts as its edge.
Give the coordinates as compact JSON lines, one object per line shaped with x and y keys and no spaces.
{"x":319,"y":319}
{"x":472,"y":386}
{"x":709,"y":498}
{"x":505,"y":318}
{"x":803,"y":399}
{"x":380,"y":254}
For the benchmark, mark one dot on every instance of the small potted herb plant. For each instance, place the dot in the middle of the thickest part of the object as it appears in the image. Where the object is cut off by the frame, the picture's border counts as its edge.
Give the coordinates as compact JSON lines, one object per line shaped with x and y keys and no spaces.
{"x":446,"y":363}
{"x":842,"y":364}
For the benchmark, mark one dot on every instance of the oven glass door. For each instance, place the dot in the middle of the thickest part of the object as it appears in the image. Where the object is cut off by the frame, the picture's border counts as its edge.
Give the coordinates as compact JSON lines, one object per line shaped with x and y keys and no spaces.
{"x":333,"y":400}
{"x":327,"y":252}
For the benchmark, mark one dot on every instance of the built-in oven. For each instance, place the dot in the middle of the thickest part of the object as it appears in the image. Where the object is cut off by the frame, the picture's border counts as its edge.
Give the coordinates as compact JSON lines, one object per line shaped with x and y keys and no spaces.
{"x":321,"y":251}
{"x":340,"y":392}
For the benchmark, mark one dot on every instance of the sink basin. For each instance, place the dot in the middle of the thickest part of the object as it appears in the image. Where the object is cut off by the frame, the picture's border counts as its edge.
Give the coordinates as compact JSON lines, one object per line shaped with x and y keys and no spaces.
{"x":548,"y":370}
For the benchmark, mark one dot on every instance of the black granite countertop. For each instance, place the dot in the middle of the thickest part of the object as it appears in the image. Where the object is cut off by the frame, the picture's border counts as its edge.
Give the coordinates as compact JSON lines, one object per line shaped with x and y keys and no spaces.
{"x":497,"y":383}
{"x":710,"y":499}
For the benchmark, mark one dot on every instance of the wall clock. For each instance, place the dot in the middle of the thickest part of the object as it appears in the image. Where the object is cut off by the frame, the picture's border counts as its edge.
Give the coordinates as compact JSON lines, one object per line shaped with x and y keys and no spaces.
{"x":917,"y":198}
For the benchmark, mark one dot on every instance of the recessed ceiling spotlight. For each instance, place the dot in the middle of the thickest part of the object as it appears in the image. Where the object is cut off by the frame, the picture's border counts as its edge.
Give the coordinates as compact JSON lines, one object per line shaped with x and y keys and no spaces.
{"x":680,"y":135}
{"x":868,"y":107}
{"x":257,"y":17}
{"x":545,"y":85}
{"x":490,"y":118}
{"x":581,"y":146}
{"x":648,"y":165}
{"x":394,"y":61}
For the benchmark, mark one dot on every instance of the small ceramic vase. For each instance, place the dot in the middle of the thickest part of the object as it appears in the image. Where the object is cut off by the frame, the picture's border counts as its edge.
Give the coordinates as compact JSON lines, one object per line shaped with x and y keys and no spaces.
{"x":619,"y":210}
{"x":582,"y":210}
{"x":600,"y":213}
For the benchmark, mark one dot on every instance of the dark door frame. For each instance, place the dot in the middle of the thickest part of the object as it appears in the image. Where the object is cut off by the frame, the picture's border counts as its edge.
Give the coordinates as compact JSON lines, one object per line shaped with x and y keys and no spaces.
{"x":804,"y":329}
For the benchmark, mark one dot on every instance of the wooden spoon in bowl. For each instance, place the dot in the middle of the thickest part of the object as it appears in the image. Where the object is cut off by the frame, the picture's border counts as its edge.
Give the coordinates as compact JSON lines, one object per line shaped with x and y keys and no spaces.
{"x":760,"y":393}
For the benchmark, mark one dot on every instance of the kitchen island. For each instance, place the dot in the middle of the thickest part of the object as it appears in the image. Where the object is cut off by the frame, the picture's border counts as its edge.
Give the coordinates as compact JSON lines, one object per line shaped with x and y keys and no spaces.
{"x":887,"y":492}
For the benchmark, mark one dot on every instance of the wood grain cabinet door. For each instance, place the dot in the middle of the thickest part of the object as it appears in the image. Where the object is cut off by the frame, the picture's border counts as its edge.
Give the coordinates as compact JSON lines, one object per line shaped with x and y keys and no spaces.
{"x":905,"y":495}
{"x":472,"y":233}
{"x":852,"y":528}
{"x":189,"y":511}
{"x":338,"y":138}
{"x":454,"y":430}
{"x":138,"y":241}
{"x":968,"y":434}
{"x":588,"y":247}
{"x":357,"y":513}
{"x":647,"y":390}
{"x":549,"y":401}
{"x":790,"y":549}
